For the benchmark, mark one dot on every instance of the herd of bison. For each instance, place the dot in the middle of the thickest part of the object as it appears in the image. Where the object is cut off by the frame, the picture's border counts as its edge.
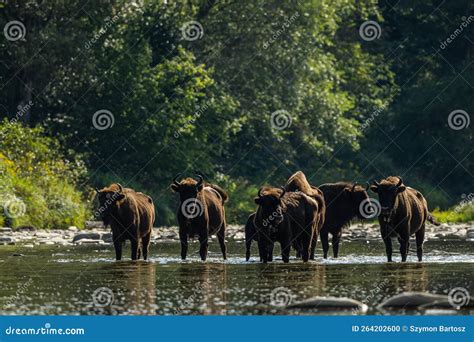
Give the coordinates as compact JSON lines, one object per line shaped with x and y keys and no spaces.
{"x":293,"y":215}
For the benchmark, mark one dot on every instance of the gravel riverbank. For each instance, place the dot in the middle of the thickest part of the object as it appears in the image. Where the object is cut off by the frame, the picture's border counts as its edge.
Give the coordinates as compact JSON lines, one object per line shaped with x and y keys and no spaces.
{"x":95,"y":233}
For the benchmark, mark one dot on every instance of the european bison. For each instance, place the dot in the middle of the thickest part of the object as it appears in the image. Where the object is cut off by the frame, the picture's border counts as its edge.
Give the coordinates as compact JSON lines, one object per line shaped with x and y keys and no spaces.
{"x":403,"y":212}
{"x":130,"y":214}
{"x":298,"y":182}
{"x":343,"y":202}
{"x":285,"y":217}
{"x":200,"y":213}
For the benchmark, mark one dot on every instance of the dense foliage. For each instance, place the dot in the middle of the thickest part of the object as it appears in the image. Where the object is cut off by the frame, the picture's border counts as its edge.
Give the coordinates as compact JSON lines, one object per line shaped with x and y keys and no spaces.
{"x":245,"y":92}
{"x":38,"y":184}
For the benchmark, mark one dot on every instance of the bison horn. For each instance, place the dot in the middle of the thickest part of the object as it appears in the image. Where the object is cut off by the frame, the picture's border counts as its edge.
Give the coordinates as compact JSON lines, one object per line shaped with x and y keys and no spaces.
{"x":97,"y":190}
{"x":283,"y":191}
{"x":175,"y":179}
{"x":199,"y":183}
{"x":400,"y":181}
{"x":376,"y":183}
{"x":120,"y":187}
{"x":367,"y":186}
{"x":354,"y":186}
{"x":260,"y":192}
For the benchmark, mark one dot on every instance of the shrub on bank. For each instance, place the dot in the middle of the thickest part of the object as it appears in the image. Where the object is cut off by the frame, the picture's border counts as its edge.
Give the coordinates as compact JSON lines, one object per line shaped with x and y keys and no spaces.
{"x":460,"y":213}
{"x":38,"y":182}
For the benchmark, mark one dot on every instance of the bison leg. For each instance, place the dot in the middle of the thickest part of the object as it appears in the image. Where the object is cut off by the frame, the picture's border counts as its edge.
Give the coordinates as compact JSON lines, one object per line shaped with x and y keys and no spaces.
{"x":325,"y":243}
{"x":285,"y":249}
{"x":388,"y":247}
{"x":203,"y":240}
{"x":135,"y":247}
{"x":262,"y":249}
{"x":248,"y":244}
{"x":118,"y":249}
{"x":313,"y":244}
{"x":404,"y":246}
{"x":420,"y":237}
{"x":336,"y":239}
{"x":146,"y":245}
{"x":221,"y":238}
{"x":183,"y":238}
{"x":270,"y":251}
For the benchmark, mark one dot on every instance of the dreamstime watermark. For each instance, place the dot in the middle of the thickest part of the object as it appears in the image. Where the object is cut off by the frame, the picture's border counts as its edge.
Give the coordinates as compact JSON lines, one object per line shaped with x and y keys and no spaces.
{"x":276,"y":34}
{"x":370,"y":208}
{"x":280,"y":120}
{"x":370,"y":30}
{"x":466,"y":200}
{"x":103,"y":207}
{"x":192,"y":30}
{"x":46,"y":330}
{"x":109,"y":22}
{"x":377,"y":289}
{"x":15,"y":299}
{"x":103,"y":119}
{"x":458,"y":119}
{"x":375,"y":113}
{"x":191,"y":300}
{"x":456,"y":32}
{"x":458,"y":297}
{"x":192,"y":208}
{"x":196,"y":115}
{"x":14,"y":208}
{"x":14,"y":30}
{"x":281,"y":296}
{"x":102,"y":296}
{"x":276,"y":214}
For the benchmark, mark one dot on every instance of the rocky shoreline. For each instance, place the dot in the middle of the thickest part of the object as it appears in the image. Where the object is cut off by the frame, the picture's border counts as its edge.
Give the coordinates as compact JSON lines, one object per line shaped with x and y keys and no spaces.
{"x":96,"y":233}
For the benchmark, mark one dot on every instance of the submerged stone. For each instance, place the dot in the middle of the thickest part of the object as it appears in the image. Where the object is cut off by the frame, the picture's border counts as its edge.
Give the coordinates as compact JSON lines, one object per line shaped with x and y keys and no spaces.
{"x":411,"y":300}
{"x":329,"y":303}
{"x":88,"y":236}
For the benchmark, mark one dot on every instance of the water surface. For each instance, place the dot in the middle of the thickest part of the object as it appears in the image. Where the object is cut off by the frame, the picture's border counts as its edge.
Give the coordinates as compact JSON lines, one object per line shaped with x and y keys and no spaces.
{"x":83,"y":280}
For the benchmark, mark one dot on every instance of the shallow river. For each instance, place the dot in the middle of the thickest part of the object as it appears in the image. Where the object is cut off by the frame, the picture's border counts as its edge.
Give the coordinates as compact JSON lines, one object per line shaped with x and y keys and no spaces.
{"x":86,"y":280}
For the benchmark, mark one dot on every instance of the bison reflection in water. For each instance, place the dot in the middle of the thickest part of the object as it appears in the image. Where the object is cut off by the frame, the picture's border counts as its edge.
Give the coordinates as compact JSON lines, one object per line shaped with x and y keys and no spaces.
{"x":130,"y":214}
{"x":343,"y":202}
{"x":200,"y":213}
{"x":287,"y":217}
{"x":404,"y":212}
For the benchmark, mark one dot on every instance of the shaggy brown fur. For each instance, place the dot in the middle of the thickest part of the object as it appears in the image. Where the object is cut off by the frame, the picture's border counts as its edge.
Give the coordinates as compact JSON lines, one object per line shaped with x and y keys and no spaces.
{"x":286,"y":217}
{"x":201,"y":213}
{"x":131,"y":215}
{"x":298,"y":182}
{"x":404,"y":212}
{"x":343,"y":200}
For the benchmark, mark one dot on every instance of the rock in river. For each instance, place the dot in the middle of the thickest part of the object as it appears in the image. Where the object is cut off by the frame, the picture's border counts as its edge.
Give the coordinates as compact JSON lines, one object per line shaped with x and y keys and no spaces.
{"x":414,"y":300}
{"x":88,"y":236}
{"x":6,"y":240}
{"x":329,"y":303}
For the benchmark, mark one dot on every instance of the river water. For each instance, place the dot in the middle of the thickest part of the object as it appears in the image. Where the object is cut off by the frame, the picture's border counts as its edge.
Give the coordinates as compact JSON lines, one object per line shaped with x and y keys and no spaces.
{"x":84,"y":280}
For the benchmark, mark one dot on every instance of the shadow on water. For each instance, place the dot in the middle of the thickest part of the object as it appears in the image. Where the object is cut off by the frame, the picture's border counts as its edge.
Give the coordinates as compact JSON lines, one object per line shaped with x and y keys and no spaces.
{"x":86,"y":280}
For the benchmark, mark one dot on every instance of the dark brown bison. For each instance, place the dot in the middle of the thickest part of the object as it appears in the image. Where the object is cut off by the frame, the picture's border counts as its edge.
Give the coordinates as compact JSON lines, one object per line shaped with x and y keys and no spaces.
{"x":403,"y":212}
{"x":251,"y":235}
{"x":130,"y":214}
{"x":200,"y":213}
{"x":298,"y":182}
{"x":286,"y":217}
{"x":343,"y":203}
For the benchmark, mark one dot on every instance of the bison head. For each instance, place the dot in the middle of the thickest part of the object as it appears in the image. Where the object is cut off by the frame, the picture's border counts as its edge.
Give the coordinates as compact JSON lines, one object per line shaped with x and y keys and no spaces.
{"x":388,"y":189}
{"x":108,"y":197}
{"x":189,"y":190}
{"x":270,"y":208}
{"x":356,"y":194}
